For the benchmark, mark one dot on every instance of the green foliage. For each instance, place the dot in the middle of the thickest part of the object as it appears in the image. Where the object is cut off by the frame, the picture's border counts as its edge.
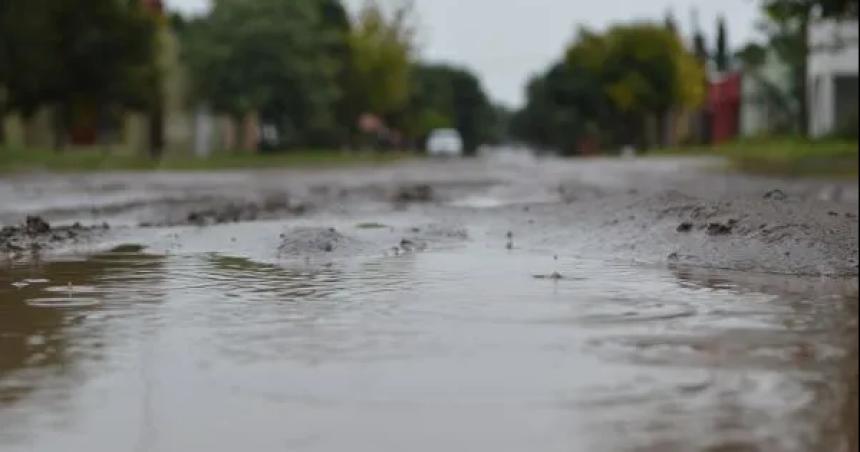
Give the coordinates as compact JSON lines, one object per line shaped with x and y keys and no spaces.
{"x":785,"y":10}
{"x":270,"y":56}
{"x":752,"y":56}
{"x":564,"y":106}
{"x":785,"y":156}
{"x":670,"y":23}
{"x":302,"y":66}
{"x":69,"y":53}
{"x":721,"y":56}
{"x":445,"y":96}
{"x":381,"y":49}
{"x":700,"y":47}
{"x":608,"y":86}
{"x":23,"y":67}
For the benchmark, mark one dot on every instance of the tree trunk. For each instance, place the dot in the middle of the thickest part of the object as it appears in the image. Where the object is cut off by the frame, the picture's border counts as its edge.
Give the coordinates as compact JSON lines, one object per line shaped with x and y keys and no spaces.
{"x":156,"y":131}
{"x":250,"y":127}
{"x":803,"y":110}
{"x":2,"y":126}
{"x":236,"y":134}
{"x":60,"y":120}
{"x":663,"y":133}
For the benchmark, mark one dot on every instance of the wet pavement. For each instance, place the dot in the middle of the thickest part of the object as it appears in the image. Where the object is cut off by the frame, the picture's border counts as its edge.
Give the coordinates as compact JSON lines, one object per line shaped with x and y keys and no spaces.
{"x":370,"y":322}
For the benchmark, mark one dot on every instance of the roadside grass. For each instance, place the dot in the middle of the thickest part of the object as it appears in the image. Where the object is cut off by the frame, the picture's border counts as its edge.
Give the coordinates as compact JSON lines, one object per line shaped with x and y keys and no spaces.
{"x":22,"y":160}
{"x":788,"y":156}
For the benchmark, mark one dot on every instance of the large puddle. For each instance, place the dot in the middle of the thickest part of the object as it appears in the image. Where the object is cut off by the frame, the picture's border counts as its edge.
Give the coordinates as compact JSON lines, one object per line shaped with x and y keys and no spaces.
{"x":453,"y":350}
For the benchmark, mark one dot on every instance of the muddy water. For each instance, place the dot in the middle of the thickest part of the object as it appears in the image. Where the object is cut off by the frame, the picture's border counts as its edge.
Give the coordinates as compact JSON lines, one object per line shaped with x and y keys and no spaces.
{"x":456,"y":349}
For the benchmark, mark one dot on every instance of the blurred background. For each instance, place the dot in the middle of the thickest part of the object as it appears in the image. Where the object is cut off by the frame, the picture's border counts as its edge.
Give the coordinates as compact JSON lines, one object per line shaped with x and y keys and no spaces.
{"x":461,"y":248}
{"x":143,"y":83}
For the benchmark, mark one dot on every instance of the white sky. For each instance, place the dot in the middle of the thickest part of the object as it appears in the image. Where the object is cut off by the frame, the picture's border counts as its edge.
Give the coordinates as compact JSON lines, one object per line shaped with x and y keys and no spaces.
{"x":506,"y":41}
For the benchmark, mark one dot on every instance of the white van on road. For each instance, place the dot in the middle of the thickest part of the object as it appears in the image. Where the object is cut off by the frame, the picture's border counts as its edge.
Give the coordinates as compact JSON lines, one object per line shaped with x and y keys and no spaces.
{"x":445,"y":143}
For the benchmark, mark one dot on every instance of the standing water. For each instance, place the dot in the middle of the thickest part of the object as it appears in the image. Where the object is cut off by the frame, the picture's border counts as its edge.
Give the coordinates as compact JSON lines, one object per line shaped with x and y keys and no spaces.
{"x":458,"y":349}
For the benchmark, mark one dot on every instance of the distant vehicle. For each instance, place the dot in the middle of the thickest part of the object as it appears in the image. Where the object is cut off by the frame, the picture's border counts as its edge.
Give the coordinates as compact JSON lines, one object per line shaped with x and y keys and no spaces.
{"x":445,"y":143}
{"x":628,"y":152}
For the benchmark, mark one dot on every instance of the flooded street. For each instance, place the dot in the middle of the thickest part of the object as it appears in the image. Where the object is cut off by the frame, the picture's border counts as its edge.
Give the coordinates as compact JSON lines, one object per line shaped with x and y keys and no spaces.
{"x":502,"y":305}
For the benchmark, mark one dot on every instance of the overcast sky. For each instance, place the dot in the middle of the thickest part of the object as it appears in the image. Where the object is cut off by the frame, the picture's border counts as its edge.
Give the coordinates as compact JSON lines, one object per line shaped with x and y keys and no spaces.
{"x":506,"y":41}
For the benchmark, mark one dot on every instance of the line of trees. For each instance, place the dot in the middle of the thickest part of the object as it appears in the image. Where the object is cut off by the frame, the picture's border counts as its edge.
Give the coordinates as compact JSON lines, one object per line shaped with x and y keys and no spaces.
{"x":620,"y":87}
{"x":611,"y":89}
{"x":303,"y":68}
{"x":321,"y":78}
{"x":306,"y":69}
{"x":81,"y":58}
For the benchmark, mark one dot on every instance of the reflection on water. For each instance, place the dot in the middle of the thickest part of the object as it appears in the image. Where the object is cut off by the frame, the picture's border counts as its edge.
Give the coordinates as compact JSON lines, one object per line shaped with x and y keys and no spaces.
{"x":457,"y":350}
{"x":53,"y":333}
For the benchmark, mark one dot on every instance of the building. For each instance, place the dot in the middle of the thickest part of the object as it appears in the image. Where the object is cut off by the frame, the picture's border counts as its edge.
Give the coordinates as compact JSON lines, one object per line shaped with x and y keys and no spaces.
{"x":832,"y":80}
{"x":767,"y":105}
{"x":724,"y":102}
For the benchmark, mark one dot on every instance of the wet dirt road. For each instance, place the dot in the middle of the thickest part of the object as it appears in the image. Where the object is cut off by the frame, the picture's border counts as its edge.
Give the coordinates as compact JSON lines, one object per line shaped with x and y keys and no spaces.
{"x":501,"y":304}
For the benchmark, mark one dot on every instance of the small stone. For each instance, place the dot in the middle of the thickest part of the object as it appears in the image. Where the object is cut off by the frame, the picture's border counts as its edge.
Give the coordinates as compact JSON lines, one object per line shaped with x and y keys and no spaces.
{"x":414,"y":194}
{"x":719,"y":229}
{"x":685,"y":227}
{"x":777,"y":195}
{"x":36,"y":225}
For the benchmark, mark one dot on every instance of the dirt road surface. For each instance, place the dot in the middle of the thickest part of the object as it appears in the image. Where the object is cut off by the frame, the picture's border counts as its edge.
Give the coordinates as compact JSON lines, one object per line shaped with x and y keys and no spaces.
{"x":656,"y":210}
{"x":505,"y":303}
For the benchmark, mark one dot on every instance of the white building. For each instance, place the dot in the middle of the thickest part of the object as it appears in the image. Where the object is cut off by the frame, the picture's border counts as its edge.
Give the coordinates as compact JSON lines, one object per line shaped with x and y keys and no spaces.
{"x":832,"y":75}
{"x":767,"y":106}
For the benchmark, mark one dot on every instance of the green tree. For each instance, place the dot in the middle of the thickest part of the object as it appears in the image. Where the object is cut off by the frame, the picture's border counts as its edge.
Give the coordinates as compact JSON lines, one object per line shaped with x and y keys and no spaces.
{"x":77,"y":57}
{"x":336,"y":21}
{"x":611,"y":86}
{"x":272,"y":57}
{"x":445,"y":96}
{"x":721,"y":55}
{"x":644,"y":71}
{"x":670,"y":23}
{"x":381,"y":49}
{"x":105,"y":53}
{"x":700,"y":45}
{"x":565,"y":106}
{"x":26,"y":54}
